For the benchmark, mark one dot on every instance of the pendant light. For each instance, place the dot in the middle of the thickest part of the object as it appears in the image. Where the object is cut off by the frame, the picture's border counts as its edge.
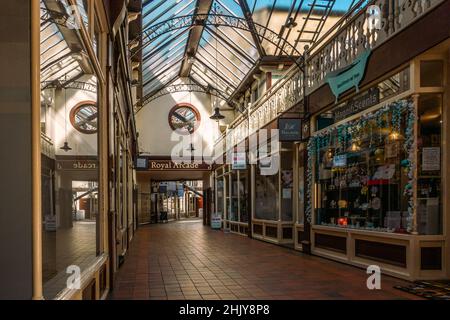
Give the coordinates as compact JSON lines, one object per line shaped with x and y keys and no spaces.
{"x":66,"y":146}
{"x":217,"y":115}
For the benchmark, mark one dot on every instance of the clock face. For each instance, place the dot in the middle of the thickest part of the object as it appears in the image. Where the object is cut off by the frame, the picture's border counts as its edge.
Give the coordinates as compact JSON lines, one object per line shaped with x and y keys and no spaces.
{"x":184,"y":118}
{"x":84,"y":117}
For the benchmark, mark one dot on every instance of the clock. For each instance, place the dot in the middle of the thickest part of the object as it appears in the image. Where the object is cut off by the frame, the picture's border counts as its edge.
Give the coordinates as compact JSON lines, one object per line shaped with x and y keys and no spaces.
{"x":84,"y":117}
{"x":184,"y":118}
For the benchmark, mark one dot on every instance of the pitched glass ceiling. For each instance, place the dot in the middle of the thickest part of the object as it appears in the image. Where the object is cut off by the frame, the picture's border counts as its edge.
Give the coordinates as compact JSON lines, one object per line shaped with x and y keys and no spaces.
{"x":222,"y":55}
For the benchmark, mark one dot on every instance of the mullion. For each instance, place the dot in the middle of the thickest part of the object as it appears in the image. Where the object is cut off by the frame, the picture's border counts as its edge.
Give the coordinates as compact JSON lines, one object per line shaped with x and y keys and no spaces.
{"x":227,"y":59}
{"x":176,"y":53}
{"x":168,"y":53}
{"x":156,"y":75}
{"x":215,"y":73}
{"x":176,"y":13}
{"x":152,"y":9}
{"x":220,"y":62}
{"x":211,"y":81}
{"x":162,"y":66}
{"x":150,"y":54}
{"x":231,"y":45}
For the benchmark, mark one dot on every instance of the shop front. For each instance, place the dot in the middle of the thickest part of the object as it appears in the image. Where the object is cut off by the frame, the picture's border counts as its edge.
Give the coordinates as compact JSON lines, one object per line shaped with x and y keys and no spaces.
{"x":232,"y":198}
{"x":375,"y":173}
{"x":275,"y":192}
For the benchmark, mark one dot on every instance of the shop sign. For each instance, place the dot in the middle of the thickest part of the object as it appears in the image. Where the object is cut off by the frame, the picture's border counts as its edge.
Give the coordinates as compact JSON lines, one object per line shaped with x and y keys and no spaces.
{"x":350,"y":76}
{"x":170,"y":165}
{"x":290,"y":129}
{"x":77,"y":165}
{"x":216,"y":221}
{"x":357,"y":104}
{"x":431,"y":159}
{"x":239,"y":161}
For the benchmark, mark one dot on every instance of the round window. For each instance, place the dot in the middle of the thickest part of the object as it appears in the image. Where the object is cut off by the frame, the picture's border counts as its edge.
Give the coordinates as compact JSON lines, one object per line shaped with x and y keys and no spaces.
{"x":184,"y":118}
{"x":84,"y":117}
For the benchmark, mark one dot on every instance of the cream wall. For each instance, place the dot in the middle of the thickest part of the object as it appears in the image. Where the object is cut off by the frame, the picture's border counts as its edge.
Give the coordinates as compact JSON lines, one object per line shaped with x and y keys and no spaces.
{"x":153,"y":126}
{"x":58,"y":115}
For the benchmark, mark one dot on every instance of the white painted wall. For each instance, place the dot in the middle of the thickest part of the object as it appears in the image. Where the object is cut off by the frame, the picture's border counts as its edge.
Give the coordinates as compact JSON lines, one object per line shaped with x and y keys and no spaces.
{"x":58,"y":115}
{"x":155,"y":132}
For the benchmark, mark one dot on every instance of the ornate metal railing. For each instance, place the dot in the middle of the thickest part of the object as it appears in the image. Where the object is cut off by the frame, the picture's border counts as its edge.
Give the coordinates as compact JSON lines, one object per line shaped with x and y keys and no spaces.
{"x":337,"y":49}
{"x":47,"y":146}
{"x":356,"y":35}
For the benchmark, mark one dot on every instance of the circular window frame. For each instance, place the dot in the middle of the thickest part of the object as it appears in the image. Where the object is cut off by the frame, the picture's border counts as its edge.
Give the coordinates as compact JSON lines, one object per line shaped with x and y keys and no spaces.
{"x":74,"y":111}
{"x":189,"y":106}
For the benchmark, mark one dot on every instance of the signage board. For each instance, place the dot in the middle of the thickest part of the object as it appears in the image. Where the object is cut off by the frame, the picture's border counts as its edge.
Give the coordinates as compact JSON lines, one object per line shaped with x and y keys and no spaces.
{"x":141,"y":163}
{"x":216,"y":221}
{"x":169,"y":165}
{"x":290,"y":129}
{"x":357,"y":104}
{"x":77,"y":165}
{"x":239,"y":161}
{"x":350,"y":76}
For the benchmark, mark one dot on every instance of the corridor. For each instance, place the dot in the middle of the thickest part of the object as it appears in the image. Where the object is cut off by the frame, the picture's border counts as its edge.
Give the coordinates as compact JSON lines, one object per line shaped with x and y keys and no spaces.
{"x":185,"y":260}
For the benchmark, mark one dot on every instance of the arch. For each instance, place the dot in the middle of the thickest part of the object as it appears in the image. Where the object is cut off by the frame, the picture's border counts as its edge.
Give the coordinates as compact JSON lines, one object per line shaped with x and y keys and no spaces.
{"x":155,"y":31}
{"x":184,"y":87}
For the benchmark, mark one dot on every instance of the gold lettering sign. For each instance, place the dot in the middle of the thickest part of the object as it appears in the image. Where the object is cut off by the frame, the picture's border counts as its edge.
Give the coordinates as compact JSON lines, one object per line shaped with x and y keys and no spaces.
{"x":169,"y":165}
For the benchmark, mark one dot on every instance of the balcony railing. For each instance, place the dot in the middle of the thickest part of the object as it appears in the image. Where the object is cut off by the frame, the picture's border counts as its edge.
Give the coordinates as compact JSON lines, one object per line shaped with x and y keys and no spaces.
{"x":335,"y":50}
{"x":47,"y":147}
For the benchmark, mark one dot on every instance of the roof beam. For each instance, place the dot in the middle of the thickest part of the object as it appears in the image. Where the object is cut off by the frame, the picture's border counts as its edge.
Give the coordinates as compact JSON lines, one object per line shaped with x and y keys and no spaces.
{"x":195,"y":35}
{"x":251,"y":26}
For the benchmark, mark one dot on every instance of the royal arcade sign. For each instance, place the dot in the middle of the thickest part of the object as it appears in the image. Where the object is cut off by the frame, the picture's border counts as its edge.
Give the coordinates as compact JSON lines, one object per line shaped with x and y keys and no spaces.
{"x":144,"y":164}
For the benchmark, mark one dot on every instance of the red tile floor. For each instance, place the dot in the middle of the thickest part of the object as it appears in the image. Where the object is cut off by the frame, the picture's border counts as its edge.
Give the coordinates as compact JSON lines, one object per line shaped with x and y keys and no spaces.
{"x":185,"y":260}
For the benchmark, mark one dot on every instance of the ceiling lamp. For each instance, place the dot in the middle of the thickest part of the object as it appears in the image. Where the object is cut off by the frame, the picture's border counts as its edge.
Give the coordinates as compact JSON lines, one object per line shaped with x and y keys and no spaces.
{"x":65,"y":147}
{"x":290,"y":24}
{"x":217,"y":115}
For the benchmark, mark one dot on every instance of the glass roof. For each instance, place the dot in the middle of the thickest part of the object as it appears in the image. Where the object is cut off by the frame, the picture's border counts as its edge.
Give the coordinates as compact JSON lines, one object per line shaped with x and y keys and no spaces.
{"x":212,"y":42}
{"x":58,"y":62}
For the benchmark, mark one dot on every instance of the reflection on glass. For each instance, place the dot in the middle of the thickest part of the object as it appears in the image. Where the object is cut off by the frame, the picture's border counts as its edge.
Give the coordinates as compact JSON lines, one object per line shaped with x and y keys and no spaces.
{"x":287,"y":182}
{"x":266,"y":202}
{"x":70,"y":198}
{"x":361,"y":179}
{"x":429,"y":207}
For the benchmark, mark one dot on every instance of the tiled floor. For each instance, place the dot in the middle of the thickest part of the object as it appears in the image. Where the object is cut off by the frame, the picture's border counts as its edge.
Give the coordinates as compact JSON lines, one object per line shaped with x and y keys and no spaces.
{"x":185,"y":260}
{"x":65,"y":247}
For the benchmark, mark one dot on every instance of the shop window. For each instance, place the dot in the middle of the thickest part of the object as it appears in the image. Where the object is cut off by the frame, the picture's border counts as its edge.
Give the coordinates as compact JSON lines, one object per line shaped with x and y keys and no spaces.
{"x":243,"y":196}
{"x":429,"y":207}
{"x":362,"y":172}
{"x":234,"y":200}
{"x":287,"y":182}
{"x":301,"y":187}
{"x":70,"y":187}
{"x":266,"y":202}
{"x":220,"y":195}
{"x":431,"y":73}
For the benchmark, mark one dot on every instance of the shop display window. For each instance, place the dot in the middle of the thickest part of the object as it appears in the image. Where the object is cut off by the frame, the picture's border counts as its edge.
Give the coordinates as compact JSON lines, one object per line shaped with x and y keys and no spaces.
{"x":429,"y":154}
{"x":287,"y":182}
{"x":361,"y":173}
{"x":266,"y":202}
{"x":243,"y":196}
{"x":301,"y":187}
{"x":234,"y":200}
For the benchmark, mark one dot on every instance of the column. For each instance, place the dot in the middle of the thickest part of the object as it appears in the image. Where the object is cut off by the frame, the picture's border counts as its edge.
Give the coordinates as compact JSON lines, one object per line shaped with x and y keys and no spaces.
{"x":18,"y":108}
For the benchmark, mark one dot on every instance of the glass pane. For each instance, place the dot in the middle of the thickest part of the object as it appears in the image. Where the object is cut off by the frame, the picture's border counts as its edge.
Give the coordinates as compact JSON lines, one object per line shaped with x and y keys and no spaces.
{"x":287,"y":182}
{"x":266,"y":202}
{"x":361,"y":175}
{"x":431,"y":73}
{"x":429,"y":143}
{"x":70,"y":193}
{"x":243,"y":196}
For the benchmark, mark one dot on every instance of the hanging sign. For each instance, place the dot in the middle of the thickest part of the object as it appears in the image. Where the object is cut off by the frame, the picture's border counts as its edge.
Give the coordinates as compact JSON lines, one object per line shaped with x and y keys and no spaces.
{"x":239,"y":161}
{"x":350,"y":76}
{"x":290,"y":129}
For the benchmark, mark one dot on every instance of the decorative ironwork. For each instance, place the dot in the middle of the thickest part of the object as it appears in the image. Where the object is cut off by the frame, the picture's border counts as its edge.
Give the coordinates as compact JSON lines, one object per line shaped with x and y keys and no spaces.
{"x":77,"y":85}
{"x":184,"y":87}
{"x":153,"y":32}
{"x":52,"y":16}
